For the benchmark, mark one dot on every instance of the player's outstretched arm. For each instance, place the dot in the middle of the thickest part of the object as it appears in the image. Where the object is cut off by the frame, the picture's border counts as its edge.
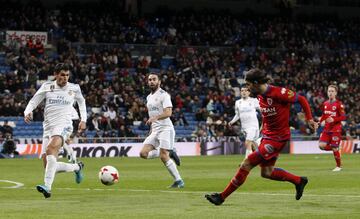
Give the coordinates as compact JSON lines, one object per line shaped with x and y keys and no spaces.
{"x":236,"y":116}
{"x":306,"y":107}
{"x":82,"y":105}
{"x":33,"y":103}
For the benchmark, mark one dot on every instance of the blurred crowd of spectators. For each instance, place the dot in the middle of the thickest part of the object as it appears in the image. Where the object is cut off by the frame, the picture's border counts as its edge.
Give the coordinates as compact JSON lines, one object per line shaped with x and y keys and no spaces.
{"x":107,"y":21}
{"x":203,"y":81}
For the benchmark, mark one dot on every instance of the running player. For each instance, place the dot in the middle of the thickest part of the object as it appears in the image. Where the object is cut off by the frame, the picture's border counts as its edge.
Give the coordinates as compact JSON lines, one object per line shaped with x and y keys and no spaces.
{"x":59,"y":97}
{"x":162,"y":133}
{"x":333,"y":114}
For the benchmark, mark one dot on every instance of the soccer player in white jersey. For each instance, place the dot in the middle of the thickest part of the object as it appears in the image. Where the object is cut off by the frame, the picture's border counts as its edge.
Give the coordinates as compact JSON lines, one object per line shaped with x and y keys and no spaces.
{"x":245,"y":110}
{"x":162,"y":132}
{"x":59,"y":97}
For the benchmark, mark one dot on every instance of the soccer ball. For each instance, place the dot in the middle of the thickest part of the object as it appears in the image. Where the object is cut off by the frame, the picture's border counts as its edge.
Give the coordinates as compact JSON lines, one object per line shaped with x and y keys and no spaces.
{"x":108,"y":175}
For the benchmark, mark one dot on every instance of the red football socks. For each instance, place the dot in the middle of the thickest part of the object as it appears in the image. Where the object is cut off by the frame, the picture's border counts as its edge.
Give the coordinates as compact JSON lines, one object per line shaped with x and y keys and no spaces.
{"x":281,"y":175}
{"x":235,"y":182}
{"x":337,"y":158}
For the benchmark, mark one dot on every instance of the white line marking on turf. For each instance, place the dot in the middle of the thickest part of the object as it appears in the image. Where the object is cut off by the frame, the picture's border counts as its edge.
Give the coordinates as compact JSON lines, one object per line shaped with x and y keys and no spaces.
{"x":198,"y":192}
{"x":17,"y":184}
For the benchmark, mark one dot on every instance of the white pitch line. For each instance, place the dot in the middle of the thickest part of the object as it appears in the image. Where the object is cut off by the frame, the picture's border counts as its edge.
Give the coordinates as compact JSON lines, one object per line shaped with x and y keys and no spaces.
{"x":196,"y":192}
{"x":16,"y":186}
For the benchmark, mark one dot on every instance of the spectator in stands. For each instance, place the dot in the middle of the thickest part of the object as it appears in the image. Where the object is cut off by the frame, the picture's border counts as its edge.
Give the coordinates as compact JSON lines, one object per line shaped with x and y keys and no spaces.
{"x":39,"y":48}
{"x":110,"y":116}
{"x":305,"y":63}
{"x":143,"y":125}
{"x":30,"y":44}
{"x":130,"y":132}
{"x":7,"y":129}
{"x":201,"y":114}
{"x":178,"y":118}
{"x":9,"y":147}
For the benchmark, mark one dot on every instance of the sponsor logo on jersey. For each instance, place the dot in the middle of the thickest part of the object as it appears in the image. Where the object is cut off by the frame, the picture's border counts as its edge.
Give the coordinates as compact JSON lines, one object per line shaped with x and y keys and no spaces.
{"x":153,"y":108}
{"x":331,"y":113}
{"x":268,"y":111}
{"x":269,"y":101}
{"x":58,"y":101}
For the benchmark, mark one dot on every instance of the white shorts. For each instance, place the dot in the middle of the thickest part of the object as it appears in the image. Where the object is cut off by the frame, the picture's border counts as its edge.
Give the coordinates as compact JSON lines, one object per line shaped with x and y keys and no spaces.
{"x":62,"y":130}
{"x":251,"y":134}
{"x":162,"y":139}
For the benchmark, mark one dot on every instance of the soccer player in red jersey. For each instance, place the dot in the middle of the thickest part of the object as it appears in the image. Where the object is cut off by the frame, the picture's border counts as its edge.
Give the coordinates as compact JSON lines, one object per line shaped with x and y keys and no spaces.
{"x":333,"y":114}
{"x":275,"y":105}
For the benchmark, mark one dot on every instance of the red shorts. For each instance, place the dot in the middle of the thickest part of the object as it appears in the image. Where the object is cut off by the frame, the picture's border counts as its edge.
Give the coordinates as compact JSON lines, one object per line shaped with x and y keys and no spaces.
{"x":267,"y":152}
{"x":331,"y":138}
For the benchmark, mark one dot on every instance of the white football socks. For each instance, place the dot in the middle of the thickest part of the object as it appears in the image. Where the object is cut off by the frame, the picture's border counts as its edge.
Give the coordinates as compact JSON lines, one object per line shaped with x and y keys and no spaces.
{"x":153,"y":154}
{"x":70,"y":153}
{"x":170,"y":165}
{"x":50,"y":171}
{"x":66,"y":167}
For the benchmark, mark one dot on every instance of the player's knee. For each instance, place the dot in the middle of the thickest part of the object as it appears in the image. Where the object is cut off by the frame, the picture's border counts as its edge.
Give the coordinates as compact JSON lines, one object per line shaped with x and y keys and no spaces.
{"x":322,"y":146}
{"x":52,"y":149}
{"x":266,"y":174}
{"x":164,"y":155}
{"x":144,"y":154}
{"x":246,"y":165}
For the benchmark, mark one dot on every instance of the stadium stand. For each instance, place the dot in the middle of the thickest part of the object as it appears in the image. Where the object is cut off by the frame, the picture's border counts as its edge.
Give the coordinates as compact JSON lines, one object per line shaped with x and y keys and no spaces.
{"x":201,"y":56}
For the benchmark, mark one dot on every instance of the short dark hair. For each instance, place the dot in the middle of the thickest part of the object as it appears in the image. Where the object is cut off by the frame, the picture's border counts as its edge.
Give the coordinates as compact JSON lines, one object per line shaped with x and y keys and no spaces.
{"x":61,"y":67}
{"x":256,"y":76}
{"x":154,"y":73}
{"x":245,"y":86}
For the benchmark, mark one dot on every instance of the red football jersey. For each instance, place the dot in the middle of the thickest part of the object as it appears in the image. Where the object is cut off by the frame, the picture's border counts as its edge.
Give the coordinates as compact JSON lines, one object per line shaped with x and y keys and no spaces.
{"x":336,"y":110}
{"x":275,"y":109}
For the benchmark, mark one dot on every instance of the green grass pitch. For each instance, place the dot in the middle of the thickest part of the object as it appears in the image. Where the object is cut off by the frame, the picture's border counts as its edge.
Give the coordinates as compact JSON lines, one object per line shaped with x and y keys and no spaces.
{"x":142,"y":191}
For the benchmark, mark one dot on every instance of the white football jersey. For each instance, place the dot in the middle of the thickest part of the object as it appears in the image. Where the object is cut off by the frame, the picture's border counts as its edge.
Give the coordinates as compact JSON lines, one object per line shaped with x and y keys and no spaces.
{"x":155,"y":103}
{"x":245,"y":110}
{"x":58,"y":103}
{"x":74,"y":114}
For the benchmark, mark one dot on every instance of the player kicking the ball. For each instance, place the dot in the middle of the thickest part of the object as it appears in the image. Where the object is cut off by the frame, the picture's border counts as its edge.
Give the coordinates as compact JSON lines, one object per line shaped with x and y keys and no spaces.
{"x":59,"y":97}
{"x":275,"y":105}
